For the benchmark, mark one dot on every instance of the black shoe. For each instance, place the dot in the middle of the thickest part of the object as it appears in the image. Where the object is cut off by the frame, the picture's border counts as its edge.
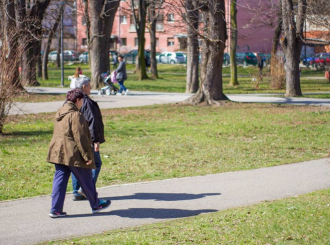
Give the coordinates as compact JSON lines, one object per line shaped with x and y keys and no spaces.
{"x":78,"y":198}
{"x":103,"y":205}
{"x":57,"y":214}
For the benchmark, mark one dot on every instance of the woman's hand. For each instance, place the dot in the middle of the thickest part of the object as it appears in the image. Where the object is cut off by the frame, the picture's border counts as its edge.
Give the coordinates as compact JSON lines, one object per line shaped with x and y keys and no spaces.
{"x":89,"y":162}
{"x":96,"y":146}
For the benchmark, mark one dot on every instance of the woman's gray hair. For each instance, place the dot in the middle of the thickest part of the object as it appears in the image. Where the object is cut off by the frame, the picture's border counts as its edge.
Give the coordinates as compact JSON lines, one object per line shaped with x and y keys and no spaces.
{"x":81,"y":81}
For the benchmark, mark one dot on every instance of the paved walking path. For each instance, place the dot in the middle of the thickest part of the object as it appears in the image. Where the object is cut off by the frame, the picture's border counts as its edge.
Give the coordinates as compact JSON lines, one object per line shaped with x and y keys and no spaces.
{"x":136,"y":98}
{"x":26,"y":221}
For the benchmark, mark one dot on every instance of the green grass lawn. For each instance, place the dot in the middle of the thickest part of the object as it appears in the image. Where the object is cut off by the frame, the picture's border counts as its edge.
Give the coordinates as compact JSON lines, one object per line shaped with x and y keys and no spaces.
{"x":173,"y":79}
{"x":298,"y":220}
{"x":168,"y":141}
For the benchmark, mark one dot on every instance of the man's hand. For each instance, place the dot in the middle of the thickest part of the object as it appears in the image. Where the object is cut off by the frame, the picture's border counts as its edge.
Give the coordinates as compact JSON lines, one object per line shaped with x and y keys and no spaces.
{"x":96,"y":146}
{"x":89,"y":162}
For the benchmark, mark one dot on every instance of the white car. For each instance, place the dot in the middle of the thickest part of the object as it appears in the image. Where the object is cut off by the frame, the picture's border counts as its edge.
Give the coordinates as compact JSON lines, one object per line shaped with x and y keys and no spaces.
{"x":171,"y":58}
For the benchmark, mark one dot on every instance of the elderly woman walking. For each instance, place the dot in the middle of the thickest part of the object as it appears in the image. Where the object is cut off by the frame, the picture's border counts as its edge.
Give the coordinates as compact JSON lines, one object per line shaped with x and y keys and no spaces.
{"x":70,"y":150}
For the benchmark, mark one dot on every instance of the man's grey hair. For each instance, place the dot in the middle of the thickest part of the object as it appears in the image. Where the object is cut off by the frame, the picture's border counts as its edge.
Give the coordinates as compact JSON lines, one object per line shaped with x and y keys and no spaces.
{"x":81,"y":81}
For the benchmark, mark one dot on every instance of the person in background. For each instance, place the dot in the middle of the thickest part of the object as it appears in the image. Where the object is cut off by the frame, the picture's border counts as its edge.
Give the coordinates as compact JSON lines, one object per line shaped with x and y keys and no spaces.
{"x":71,"y":152}
{"x":121,"y":75}
{"x":77,"y":75}
{"x":93,"y":116}
{"x":260,"y":66}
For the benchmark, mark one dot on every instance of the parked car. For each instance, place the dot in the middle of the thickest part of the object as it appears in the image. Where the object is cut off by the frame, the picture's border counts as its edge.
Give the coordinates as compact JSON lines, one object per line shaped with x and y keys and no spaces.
{"x":322,"y":61}
{"x":319,"y":60}
{"x":246,"y":59}
{"x":171,"y":58}
{"x":131,"y":56}
{"x":69,"y":55}
{"x":83,"y":58}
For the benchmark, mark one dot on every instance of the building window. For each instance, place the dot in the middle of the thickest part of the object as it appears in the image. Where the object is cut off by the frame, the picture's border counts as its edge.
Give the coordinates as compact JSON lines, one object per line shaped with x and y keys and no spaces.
{"x":170,"y":42}
{"x":136,"y":42}
{"x":123,"y":19}
{"x":83,"y":21}
{"x":123,"y":41}
{"x":157,"y":42}
{"x":170,"y":17}
{"x":84,"y":42}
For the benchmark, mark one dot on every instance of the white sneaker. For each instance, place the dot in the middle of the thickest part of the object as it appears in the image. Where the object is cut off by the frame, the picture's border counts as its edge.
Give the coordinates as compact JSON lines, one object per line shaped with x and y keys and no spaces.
{"x":126,"y":92}
{"x":119,"y":94}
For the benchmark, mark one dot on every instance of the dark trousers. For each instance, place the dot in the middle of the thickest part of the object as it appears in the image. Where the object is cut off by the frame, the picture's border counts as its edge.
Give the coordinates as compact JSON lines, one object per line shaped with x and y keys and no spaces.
{"x":98,"y":163}
{"x":60,"y":183}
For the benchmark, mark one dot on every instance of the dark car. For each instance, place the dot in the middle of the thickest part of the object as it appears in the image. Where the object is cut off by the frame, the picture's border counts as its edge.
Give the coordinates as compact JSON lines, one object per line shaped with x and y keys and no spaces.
{"x":132,"y":55}
{"x":246,"y":59}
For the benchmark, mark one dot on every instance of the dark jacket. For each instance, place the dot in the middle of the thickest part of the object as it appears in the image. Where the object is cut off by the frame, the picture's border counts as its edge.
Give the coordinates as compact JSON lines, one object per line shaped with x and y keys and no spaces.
{"x":93,"y":116}
{"x":121,"y":71}
{"x":71,"y":144}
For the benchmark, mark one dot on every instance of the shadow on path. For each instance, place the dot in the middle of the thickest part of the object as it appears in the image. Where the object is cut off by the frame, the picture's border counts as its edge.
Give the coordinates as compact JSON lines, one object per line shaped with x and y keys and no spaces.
{"x":162,"y":196}
{"x":147,"y":213}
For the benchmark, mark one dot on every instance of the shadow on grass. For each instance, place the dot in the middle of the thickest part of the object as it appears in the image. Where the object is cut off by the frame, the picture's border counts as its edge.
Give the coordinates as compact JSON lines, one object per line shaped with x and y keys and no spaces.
{"x":147,"y":213}
{"x":29,"y":133}
{"x":163,"y":196}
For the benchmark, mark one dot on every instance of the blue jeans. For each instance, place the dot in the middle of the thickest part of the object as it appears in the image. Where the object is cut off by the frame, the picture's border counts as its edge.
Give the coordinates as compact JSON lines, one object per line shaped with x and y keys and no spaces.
{"x":98,"y":163}
{"x":60,"y":182}
{"x":121,"y":86}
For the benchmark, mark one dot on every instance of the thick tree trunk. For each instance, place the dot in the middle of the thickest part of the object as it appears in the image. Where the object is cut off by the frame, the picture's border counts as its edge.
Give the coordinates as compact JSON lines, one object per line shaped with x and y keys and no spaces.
{"x":233,"y":43}
{"x":102,"y":15}
{"x":213,"y":46}
{"x":29,"y":68}
{"x":153,"y":61}
{"x":30,"y":19}
{"x":192,"y":83}
{"x":141,"y":26}
{"x":152,"y":32}
{"x":292,"y":43}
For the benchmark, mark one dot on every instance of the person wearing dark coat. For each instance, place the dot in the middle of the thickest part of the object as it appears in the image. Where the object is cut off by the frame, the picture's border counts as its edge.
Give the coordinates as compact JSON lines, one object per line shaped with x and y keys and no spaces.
{"x":92,"y":113}
{"x":121,"y":75}
{"x":70,"y":150}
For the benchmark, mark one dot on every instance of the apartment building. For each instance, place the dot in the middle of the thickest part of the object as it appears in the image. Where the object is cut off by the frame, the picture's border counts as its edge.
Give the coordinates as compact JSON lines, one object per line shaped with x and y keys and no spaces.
{"x":172,"y":32}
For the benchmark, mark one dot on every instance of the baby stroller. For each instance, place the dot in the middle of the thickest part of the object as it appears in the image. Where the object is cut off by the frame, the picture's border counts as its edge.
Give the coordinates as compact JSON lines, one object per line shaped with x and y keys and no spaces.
{"x":110,"y":88}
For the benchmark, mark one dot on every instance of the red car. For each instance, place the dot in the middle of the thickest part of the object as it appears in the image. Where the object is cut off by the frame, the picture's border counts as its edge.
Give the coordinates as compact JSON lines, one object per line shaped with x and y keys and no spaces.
{"x":324,"y":61}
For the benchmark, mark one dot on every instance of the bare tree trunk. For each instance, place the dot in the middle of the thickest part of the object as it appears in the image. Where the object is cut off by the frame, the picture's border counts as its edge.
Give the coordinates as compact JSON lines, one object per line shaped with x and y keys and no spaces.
{"x":29,"y":19}
{"x":49,"y":41}
{"x":211,"y":91}
{"x":233,"y":43}
{"x":276,"y":41}
{"x":58,"y":53}
{"x":39,"y":60}
{"x":102,"y":14}
{"x":152,"y":32}
{"x":292,"y":43}
{"x":140,"y":30}
{"x":192,"y":83}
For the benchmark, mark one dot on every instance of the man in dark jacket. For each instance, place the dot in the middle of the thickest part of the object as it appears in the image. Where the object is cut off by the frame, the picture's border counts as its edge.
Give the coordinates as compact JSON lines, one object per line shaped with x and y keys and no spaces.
{"x":93,"y":116}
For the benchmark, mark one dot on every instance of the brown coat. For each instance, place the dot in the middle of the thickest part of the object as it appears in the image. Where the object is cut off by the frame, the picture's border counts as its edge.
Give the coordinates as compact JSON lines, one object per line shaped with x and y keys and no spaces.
{"x":71,"y":144}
